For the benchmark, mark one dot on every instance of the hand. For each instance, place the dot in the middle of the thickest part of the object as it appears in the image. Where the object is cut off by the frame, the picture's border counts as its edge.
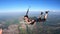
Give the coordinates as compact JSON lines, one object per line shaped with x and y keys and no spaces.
{"x":32,"y":20}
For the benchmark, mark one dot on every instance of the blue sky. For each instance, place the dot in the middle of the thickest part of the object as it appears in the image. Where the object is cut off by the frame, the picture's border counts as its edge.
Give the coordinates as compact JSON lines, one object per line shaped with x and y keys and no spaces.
{"x":35,"y":5}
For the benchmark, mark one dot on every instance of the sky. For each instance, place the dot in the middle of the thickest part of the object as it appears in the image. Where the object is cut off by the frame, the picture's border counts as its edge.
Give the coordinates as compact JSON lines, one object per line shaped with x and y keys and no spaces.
{"x":23,"y":5}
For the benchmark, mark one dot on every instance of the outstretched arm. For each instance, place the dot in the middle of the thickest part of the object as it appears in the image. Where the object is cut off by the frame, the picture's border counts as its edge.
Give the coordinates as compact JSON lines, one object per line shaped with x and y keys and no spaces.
{"x":30,"y":22}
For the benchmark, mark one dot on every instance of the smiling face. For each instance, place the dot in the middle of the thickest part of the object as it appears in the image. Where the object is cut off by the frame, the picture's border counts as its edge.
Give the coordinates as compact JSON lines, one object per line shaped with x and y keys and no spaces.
{"x":26,"y":18}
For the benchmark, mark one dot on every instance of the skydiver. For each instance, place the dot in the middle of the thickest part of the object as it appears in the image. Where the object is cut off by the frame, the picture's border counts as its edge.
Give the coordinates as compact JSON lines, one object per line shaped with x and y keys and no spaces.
{"x":28,"y":21}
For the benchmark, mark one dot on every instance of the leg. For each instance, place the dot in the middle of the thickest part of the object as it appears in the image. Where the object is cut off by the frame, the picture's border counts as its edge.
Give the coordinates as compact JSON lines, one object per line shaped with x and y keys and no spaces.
{"x":41,"y":15}
{"x":45,"y":17}
{"x":39,"y":18}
